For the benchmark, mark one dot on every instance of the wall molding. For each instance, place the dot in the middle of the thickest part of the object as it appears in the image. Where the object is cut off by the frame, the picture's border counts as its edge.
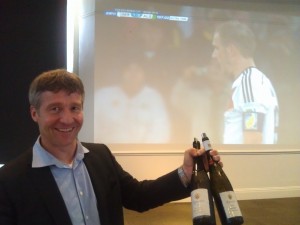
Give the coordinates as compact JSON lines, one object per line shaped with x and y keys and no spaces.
{"x":222,"y":152}
{"x":268,"y":192}
{"x":262,"y":193}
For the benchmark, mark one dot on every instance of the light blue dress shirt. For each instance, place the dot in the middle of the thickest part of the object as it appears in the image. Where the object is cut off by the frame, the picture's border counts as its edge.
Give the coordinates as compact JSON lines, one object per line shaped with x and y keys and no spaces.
{"x":73,"y":182}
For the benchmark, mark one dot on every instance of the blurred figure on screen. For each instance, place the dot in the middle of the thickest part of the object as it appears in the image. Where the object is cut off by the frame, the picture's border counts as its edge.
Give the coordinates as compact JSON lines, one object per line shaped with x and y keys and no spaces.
{"x":252,"y":115}
{"x":131,"y":111}
{"x":199,"y":95}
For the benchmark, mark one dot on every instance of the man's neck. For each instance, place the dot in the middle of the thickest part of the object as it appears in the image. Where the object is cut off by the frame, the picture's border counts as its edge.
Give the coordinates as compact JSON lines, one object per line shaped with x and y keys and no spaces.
{"x":63,"y":154}
{"x":243,"y":64}
{"x":66,"y":157}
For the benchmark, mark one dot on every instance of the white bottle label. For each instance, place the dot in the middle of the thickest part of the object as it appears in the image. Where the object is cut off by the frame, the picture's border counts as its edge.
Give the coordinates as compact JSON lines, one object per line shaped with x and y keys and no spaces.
{"x":230,"y":204}
{"x":206,"y":145}
{"x":200,"y":202}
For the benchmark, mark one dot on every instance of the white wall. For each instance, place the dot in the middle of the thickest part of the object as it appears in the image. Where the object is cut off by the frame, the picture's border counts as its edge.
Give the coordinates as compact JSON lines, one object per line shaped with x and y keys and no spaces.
{"x":254,"y":175}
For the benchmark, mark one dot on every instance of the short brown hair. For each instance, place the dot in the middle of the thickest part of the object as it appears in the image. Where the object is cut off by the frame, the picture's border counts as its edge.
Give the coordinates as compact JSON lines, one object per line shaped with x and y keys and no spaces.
{"x":54,"y":81}
{"x":238,"y":34}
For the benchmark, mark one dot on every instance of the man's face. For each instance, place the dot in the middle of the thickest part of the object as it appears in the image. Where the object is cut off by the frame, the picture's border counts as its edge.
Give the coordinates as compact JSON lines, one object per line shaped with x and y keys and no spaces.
{"x":133,"y":79}
{"x":221,"y":54}
{"x":59,"y":118}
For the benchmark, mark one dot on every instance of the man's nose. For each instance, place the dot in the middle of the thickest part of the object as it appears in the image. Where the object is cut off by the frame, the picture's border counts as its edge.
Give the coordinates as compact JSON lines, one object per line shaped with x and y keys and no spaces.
{"x":66,"y":117}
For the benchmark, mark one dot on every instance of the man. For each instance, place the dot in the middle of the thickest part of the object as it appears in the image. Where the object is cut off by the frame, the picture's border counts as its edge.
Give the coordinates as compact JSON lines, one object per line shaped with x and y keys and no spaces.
{"x":61,"y":181}
{"x":147,"y":120}
{"x":252,"y":116}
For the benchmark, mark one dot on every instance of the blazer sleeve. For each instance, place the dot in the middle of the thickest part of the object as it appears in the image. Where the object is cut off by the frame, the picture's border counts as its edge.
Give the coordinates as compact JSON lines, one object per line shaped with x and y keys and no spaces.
{"x":134,"y":194}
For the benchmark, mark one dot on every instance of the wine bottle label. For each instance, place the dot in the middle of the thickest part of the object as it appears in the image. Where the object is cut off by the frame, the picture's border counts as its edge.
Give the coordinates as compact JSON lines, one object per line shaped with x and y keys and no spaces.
{"x":200,"y":203}
{"x":206,"y":145}
{"x":230,"y":204}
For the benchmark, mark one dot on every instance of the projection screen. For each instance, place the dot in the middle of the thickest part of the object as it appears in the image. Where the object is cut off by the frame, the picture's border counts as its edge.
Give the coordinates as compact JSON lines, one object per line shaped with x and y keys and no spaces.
{"x":160,"y":84}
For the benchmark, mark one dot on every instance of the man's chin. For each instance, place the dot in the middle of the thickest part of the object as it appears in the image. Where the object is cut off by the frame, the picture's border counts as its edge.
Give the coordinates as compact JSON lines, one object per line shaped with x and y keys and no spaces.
{"x":65,"y":142}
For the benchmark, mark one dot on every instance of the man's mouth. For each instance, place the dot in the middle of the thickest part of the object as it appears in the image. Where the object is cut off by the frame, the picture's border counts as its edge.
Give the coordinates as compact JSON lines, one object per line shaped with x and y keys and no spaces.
{"x":65,"y":130}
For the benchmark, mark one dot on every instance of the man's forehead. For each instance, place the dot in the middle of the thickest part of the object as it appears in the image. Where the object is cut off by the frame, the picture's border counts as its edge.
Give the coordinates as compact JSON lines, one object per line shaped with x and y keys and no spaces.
{"x":60,"y":95}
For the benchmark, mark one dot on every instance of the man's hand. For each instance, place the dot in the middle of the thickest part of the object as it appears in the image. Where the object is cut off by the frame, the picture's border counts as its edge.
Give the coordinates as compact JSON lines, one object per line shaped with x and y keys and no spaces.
{"x":190,"y":154}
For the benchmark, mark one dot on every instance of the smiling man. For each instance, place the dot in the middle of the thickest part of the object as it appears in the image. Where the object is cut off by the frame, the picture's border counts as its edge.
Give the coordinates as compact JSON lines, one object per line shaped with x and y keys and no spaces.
{"x":61,"y":181}
{"x":60,"y":118}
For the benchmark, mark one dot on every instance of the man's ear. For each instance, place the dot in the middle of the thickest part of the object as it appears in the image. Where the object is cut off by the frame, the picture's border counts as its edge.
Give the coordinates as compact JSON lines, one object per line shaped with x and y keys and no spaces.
{"x":33,"y":113}
{"x":232,"y":50}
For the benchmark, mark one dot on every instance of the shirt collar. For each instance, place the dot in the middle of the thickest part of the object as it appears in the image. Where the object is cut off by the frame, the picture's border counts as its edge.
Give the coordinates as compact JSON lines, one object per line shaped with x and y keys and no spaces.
{"x":42,"y":158}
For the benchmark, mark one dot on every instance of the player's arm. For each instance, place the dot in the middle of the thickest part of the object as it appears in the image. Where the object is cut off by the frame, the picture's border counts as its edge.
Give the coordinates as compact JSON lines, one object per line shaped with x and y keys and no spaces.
{"x":252,"y":127}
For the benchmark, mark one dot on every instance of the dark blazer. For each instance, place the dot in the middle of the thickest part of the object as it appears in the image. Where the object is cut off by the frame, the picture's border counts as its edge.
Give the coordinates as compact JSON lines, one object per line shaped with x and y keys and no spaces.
{"x":30,"y":196}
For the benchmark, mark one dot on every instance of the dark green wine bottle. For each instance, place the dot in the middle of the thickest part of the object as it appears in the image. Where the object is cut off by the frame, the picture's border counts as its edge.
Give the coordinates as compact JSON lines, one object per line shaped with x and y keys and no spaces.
{"x":223,"y":193}
{"x":201,"y":196}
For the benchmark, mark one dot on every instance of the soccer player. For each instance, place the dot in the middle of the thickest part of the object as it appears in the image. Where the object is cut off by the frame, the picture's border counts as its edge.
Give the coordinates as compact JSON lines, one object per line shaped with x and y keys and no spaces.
{"x":252,"y":116}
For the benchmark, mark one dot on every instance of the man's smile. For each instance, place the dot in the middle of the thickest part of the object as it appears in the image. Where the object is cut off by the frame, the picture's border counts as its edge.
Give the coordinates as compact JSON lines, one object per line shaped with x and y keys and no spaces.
{"x":65,"y":130}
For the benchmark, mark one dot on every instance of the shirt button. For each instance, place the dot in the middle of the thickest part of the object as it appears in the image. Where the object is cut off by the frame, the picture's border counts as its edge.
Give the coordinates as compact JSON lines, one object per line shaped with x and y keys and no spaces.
{"x":81,"y":193}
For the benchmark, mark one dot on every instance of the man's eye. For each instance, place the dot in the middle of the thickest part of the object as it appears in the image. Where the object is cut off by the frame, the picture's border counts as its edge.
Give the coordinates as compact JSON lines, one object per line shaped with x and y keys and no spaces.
{"x":55,"y":109}
{"x":76,"y":109}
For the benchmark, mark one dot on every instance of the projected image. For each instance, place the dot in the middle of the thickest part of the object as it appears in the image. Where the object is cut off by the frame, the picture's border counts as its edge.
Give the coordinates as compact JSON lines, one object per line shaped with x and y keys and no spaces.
{"x":170,"y":72}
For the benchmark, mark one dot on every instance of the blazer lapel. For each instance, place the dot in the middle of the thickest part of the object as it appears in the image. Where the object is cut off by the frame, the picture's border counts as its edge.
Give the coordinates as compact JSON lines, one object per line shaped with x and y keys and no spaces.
{"x":96,"y":174}
{"x":43,"y":179}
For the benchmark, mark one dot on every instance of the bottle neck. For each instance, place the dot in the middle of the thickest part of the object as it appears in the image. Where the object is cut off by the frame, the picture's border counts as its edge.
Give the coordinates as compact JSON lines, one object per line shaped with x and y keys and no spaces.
{"x":198,"y":164}
{"x":210,"y":160}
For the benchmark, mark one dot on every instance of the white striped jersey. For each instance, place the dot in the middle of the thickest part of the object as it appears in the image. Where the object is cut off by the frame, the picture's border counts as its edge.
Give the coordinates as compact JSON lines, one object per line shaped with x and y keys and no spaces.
{"x":254,"y":108}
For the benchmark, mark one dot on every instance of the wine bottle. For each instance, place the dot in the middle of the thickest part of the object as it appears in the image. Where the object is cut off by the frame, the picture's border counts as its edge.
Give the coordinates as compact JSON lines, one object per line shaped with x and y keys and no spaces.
{"x":223,"y":193}
{"x":201,"y":197}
